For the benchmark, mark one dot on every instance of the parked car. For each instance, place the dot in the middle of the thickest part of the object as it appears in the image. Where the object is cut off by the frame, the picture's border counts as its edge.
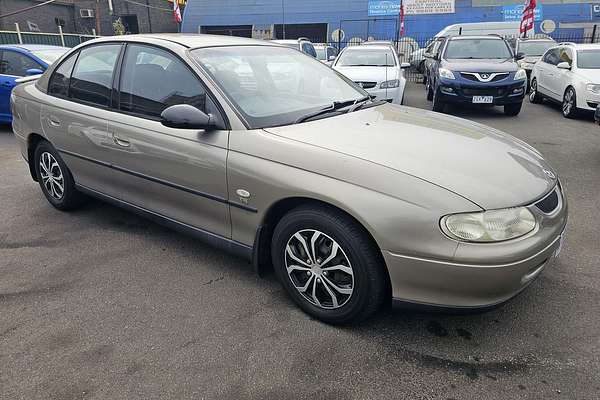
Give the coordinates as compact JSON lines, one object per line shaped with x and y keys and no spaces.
{"x":568,"y":74}
{"x":325,"y":53}
{"x":18,"y":61}
{"x":376,"y":69}
{"x":302,"y":44}
{"x":476,"y":70}
{"x":346,"y":197}
{"x":505,"y":29}
{"x":532,"y":49}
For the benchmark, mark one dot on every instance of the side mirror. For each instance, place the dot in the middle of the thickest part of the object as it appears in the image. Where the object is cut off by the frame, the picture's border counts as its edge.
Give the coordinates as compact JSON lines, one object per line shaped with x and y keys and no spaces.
{"x":563,"y":65}
{"x":404,"y":65}
{"x":331,"y":58}
{"x":33,"y":71}
{"x":519,"y":56}
{"x":184,"y":116}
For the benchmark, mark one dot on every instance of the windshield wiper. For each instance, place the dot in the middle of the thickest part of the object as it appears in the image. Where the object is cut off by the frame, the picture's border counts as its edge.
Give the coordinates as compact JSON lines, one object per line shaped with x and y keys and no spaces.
{"x":335,"y":106}
{"x":363,"y":102}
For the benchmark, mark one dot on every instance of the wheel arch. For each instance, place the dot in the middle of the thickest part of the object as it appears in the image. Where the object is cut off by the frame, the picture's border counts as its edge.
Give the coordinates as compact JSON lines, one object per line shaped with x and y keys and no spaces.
{"x":33,"y":140}
{"x":261,"y":259}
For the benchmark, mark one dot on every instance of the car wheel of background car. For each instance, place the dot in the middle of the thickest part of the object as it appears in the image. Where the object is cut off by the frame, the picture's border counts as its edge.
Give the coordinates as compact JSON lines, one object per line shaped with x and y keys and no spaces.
{"x":438,"y":105}
{"x":429,"y":90}
{"x":328,"y":265}
{"x":569,"y":104}
{"x":512,"y":109}
{"x":534,"y":96}
{"x":55,"y":179}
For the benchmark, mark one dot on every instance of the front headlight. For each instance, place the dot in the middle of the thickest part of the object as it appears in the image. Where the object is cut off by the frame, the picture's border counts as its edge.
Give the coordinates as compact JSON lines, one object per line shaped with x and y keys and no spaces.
{"x":489,"y":226}
{"x":591,"y":87}
{"x":390,"y":84}
{"x":521,"y":74}
{"x":446,"y":73}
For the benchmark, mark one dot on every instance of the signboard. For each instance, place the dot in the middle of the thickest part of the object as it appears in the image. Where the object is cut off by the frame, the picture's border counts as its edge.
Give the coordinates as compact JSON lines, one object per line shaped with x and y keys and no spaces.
{"x":515,"y":12}
{"x":595,"y":10}
{"x":411,"y":7}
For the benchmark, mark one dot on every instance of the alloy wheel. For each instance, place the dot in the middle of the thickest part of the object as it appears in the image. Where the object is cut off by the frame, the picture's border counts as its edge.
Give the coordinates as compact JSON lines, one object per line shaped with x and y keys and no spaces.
{"x":532,"y":91}
{"x":568,"y":102}
{"x":52,"y":176}
{"x":319,"y":269}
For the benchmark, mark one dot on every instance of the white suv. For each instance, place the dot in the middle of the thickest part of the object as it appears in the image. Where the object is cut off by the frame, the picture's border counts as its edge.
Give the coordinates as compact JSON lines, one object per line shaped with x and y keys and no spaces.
{"x":568,"y":73}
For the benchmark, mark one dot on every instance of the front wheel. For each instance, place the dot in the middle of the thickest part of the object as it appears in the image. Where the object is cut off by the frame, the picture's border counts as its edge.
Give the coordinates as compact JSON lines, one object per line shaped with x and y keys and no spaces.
{"x":512,"y":109}
{"x":534,"y":96}
{"x":328,"y":265}
{"x":569,"y":104}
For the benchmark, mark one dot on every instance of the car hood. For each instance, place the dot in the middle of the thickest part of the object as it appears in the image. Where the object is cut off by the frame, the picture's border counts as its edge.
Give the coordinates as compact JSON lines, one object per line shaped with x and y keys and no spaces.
{"x":530,"y":59}
{"x":369,"y":74}
{"x":484,"y":65}
{"x":486,"y":166}
{"x":592,"y":75}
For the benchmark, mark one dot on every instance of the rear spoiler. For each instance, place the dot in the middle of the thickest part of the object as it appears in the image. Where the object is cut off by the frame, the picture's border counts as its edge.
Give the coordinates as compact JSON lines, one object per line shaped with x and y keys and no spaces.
{"x":28,"y":78}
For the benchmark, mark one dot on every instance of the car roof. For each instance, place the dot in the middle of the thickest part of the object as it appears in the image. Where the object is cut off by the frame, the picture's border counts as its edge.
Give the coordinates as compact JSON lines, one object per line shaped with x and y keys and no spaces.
{"x":581,"y":46}
{"x":31,"y":47}
{"x":191,"y":40}
{"x":371,"y":47}
{"x":467,"y":37}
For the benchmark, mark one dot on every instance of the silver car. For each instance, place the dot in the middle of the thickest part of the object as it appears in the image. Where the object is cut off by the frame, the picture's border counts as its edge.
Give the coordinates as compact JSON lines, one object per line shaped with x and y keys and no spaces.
{"x":268,"y":153}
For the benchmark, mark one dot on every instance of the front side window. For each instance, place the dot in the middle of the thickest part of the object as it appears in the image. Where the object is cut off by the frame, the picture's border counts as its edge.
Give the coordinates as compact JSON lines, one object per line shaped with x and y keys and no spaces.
{"x":473,"y":49}
{"x":61,"y":78}
{"x":588,"y":59}
{"x":551,"y":57}
{"x":274,"y":86}
{"x":92,"y":76}
{"x":566,"y":56}
{"x":153,"y":79}
{"x":367,"y":58}
{"x":17,"y":64}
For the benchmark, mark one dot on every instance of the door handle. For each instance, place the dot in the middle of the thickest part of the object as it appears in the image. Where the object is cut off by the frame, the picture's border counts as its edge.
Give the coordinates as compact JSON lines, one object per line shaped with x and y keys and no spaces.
{"x":120,"y":142}
{"x":52,"y":120}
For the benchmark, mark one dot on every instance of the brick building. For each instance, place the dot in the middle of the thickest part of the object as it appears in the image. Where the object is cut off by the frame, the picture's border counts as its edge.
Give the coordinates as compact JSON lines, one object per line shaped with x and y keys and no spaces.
{"x":84,"y":16}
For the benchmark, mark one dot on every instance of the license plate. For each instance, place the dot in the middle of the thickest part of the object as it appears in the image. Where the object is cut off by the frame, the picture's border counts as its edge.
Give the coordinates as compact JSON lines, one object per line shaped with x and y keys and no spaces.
{"x":483,"y":99}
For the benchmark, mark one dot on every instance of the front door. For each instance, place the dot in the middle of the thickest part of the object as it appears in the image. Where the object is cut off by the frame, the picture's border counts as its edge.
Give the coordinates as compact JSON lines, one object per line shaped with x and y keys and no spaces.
{"x":175,"y":173}
{"x":13,"y":65}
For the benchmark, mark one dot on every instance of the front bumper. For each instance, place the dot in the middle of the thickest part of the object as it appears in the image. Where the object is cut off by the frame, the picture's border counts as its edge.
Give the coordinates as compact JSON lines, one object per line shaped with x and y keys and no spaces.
{"x":480,"y":275}
{"x":463,"y":91}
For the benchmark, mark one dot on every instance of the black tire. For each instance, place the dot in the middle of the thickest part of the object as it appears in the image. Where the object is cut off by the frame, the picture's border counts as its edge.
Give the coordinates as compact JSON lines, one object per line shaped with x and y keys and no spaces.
{"x":369,"y":278}
{"x":534,"y":96}
{"x":513,"y":109}
{"x":429,"y":90}
{"x":69,"y":198}
{"x":438,"y":105}
{"x":569,"y":110}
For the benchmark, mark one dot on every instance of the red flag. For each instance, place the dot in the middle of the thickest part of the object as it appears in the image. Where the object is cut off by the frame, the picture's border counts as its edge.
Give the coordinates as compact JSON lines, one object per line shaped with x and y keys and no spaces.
{"x":176,"y":11}
{"x":528,"y":17}
{"x":401,"y":18}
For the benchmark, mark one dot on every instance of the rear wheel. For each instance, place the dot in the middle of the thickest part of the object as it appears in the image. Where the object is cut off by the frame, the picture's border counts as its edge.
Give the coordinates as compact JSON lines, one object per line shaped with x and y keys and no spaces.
{"x":534,"y":96}
{"x":512,"y":109}
{"x":569,"y":104}
{"x":55,"y":179}
{"x":328,"y":265}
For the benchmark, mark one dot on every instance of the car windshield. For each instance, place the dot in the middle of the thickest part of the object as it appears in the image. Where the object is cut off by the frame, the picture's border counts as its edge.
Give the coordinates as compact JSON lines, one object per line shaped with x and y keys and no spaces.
{"x":535,"y":48}
{"x":367,"y":58}
{"x":588,"y":59}
{"x":321,"y":53}
{"x":477,"y":49}
{"x":49,"y":56}
{"x":273,"y":86}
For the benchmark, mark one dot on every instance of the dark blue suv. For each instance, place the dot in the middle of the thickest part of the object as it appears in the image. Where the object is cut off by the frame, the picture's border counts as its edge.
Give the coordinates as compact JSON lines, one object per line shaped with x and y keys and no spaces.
{"x":476,"y":70}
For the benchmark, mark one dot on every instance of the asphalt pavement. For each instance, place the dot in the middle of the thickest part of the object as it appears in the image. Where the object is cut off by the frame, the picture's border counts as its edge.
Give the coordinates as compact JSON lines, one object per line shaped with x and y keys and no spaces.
{"x":102,"y":304}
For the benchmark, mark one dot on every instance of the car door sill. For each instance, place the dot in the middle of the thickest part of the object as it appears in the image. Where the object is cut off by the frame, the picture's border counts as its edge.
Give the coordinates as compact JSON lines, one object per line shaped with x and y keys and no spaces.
{"x":218,"y":241}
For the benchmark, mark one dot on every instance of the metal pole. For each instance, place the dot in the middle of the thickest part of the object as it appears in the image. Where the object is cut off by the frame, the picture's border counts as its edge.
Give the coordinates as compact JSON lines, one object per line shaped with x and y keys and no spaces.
{"x":98,"y":17}
{"x":150,"y":18}
{"x":62,"y":37}
{"x":340,"y":37}
{"x":19,"y":33}
{"x":283,"y":16}
{"x":594,"y":34}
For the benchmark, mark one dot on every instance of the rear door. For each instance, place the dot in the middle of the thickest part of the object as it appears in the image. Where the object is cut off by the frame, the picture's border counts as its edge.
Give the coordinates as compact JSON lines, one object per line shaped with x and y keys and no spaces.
{"x":75,"y":116}
{"x":13,"y":65}
{"x":179,"y":174}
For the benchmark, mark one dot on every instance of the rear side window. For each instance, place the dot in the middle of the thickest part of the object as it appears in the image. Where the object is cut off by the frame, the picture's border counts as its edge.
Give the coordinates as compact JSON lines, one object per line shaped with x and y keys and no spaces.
{"x":154,"y":79}
{"x":91,"y":80}
{"x":17,"y":64}
{"x":59,"y":82}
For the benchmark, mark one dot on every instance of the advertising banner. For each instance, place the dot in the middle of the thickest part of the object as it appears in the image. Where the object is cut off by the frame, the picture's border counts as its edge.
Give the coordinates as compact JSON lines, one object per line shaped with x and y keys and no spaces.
{"x":411,"y":7}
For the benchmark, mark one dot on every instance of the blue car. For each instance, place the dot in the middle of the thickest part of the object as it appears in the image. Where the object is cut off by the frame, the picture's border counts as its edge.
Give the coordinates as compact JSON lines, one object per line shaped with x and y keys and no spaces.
{"x":22,"y":60}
